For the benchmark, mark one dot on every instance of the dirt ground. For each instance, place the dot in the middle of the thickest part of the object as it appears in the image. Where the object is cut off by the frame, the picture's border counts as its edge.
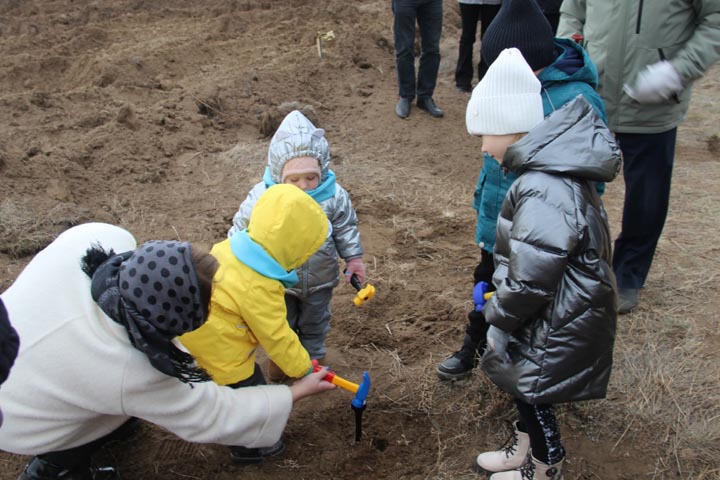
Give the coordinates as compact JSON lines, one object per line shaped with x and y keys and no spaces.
{"x":154,"y":115}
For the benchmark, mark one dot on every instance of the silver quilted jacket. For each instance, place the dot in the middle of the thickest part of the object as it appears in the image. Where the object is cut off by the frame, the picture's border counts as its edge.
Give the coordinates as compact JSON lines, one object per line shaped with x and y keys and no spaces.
{"x":556,"y":292}
{"x":322,"y":269}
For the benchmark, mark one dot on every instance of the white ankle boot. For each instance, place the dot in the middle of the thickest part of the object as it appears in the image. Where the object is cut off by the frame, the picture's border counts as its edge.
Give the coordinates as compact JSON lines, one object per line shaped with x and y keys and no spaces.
{"x":534,"y":469}
{"x":511,"y":456}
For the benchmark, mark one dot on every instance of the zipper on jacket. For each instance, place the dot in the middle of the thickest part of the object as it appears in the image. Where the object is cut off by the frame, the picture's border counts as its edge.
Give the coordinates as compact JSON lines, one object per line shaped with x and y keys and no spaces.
{"x":639,"y":17}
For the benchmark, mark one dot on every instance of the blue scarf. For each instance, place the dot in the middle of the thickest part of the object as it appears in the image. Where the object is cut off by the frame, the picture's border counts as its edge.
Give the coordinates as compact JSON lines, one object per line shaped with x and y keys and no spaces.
{"x":323,"y":191}
{"x":256,"y":257}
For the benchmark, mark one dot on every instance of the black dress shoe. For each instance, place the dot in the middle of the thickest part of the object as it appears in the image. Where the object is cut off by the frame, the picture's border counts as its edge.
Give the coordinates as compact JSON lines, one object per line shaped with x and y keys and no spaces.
{"x":463,"y":88}
{"x":428,"y":105}
{"x":402,"y":109}
{"x":627,"y":299}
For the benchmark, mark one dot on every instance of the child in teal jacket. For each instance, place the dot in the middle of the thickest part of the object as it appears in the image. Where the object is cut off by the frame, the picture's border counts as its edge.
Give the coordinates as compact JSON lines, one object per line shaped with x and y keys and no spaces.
{"x":565,"y":71}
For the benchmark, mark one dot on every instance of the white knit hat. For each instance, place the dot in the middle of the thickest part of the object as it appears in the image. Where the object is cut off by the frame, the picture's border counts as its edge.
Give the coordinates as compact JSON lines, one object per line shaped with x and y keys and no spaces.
{"x":507,"y":100}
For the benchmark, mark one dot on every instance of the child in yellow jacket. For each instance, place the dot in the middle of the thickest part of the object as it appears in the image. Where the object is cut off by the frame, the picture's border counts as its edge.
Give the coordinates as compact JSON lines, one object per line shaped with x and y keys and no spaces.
{"x":247,"y":307}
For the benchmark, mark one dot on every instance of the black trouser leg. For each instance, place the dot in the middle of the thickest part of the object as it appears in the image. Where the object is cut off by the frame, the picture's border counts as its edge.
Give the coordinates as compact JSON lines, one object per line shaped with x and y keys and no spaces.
{"x":647,"y":170}
{"x":429,"y":20}
{"x":554,"y":20}
{"x":469,"y":15}
{"x":80,"y":456}
{"x":487,"y":14}
{"x":75,"y":462}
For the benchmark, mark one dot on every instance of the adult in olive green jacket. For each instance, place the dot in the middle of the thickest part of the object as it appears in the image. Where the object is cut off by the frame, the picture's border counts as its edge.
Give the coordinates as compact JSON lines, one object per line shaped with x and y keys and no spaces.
{"x":648,"y":54}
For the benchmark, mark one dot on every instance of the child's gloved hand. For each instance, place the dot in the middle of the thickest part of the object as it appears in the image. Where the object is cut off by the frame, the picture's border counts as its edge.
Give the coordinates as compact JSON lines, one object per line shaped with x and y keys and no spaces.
{"x":497,"y":340}
{"x":657,"y":83}
{"x":357,"y":267}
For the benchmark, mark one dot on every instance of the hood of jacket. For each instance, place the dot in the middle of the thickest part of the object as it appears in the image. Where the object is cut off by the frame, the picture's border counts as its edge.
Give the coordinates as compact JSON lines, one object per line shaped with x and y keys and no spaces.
{"x":560,"y":144}
{"x":297,"y":137}
{"x":571,"y":65}
{"x":288,"y":224}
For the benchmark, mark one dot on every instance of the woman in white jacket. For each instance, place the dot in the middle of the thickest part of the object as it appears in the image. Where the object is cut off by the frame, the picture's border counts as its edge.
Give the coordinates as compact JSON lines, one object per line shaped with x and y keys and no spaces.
{"x":97,"y":349}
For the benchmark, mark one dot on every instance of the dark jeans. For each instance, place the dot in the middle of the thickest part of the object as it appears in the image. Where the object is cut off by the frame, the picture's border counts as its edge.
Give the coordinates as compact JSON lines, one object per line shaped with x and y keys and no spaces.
{"x":470,"y":15}
{"x":647,"y":168}
{"x":540,"y":423}
{"x":428,"y":14}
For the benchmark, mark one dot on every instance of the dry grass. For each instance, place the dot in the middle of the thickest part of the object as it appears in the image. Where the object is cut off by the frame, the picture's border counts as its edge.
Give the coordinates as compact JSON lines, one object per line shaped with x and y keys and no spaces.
{"x":24,"y":232}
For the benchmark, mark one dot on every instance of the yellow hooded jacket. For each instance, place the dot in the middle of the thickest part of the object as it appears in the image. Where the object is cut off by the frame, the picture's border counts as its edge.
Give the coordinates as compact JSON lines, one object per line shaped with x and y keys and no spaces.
{"x":247,"y":309}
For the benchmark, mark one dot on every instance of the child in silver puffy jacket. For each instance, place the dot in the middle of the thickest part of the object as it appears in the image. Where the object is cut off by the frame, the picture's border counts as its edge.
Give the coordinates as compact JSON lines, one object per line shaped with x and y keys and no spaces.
{"x":299,"y":154}
{"x":552,"y":318}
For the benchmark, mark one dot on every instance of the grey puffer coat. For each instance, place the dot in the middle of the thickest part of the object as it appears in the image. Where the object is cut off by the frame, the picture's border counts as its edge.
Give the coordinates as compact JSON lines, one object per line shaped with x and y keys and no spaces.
{"x":322,"y":269}
{"x":556,"y":291}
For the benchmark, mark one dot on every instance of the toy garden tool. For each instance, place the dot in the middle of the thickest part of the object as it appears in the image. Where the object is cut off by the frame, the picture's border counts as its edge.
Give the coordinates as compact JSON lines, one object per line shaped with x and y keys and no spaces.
{"x":364,"y":293}
{"x":481,"y":295}
{"x":361,"y":392}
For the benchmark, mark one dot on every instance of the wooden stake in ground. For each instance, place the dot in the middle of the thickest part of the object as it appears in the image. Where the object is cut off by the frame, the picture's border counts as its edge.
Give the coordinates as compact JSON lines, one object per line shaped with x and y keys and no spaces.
{"x":323,"y":37}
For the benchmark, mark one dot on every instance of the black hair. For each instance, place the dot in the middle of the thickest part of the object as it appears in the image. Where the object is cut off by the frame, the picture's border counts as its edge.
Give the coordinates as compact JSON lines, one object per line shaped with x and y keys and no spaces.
{"x":94,"y":256}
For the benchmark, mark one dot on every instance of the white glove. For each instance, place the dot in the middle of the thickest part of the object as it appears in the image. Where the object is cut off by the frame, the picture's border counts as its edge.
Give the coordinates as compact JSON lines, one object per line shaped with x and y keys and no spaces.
{"x":497,"y":340}
{"x":657,"y":83}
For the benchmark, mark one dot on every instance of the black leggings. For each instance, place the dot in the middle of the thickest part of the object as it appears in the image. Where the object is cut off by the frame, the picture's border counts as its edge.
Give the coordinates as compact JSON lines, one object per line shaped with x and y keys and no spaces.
{"x":541,"y":425}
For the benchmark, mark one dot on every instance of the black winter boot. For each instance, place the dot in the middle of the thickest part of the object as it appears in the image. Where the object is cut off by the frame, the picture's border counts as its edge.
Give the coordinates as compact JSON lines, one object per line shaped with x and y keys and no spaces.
{"x":460,"y":364}
{"x":39,"y":469}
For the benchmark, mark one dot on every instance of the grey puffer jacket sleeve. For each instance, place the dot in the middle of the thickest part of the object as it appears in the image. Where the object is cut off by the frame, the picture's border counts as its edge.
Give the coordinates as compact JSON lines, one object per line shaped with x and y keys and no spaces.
{"x":322,"y":269}
{"x":556,"y":291}
{"x":242,"y":216}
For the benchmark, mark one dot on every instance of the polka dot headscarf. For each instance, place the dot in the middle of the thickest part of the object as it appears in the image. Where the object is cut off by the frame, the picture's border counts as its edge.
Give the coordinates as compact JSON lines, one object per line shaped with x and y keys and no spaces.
{"x":160,"y":283}
{"x":155,"y":294}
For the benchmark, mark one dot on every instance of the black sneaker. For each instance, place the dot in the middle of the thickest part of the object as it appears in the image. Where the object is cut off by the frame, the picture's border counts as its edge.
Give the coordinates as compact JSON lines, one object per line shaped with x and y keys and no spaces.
{"x":458,"y":366}
{"x":256,"y":455}
{"x":463,"y":88}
